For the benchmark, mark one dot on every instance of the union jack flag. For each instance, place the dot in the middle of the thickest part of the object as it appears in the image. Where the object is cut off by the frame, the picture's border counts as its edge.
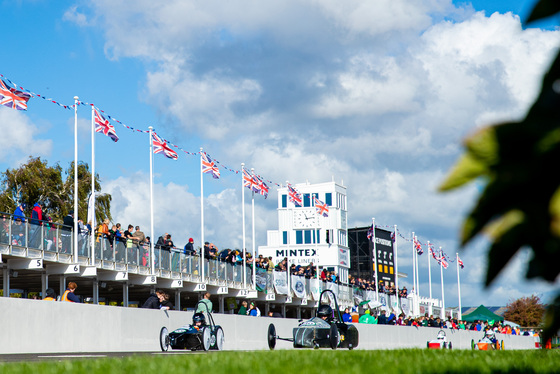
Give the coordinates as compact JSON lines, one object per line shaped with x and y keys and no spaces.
{"x":418,"y":247}
{"x":461,"y":264}
{"x":249,"y":181}
{"x":103,"y":126}
{"x":295,"y":197}
{"x":443,"y":261}
{"x":13,"y":98}
{"x":431,"y":249}
{"x":370,"y":233}
{"x":263,"y":188}
{"x":160,"y":146}
{"x":322,"y":208}
{"x":208,"y":166}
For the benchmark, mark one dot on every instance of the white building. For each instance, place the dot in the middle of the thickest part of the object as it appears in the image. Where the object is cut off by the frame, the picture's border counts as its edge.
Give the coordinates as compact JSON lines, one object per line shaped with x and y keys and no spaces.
{"x":306,"y":237}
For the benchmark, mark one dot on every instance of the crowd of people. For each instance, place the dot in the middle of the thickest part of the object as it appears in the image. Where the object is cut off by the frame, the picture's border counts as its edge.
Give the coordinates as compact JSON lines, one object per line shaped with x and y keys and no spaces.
{"x":382,"y":318}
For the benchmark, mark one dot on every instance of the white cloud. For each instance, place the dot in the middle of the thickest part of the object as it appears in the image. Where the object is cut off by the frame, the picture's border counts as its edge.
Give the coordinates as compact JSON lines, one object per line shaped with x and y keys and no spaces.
{"x":20,"y":138}
{"x":379,"y":94}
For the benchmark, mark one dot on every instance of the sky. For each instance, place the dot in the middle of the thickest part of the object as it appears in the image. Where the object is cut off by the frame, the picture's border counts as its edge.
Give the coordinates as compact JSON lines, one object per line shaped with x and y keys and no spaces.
{"x":377,"y":96}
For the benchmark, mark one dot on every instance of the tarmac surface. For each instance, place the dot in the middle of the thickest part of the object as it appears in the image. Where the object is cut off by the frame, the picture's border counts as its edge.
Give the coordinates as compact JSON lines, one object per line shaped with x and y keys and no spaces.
{"x":37,"y":357}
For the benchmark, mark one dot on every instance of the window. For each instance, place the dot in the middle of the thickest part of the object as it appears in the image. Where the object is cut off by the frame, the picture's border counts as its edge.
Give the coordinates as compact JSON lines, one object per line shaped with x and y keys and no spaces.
{"x":306,"y":200}
{"x":328,"y":199}
{"x":284,"y":202}
{"x":284,"y":237}
{"x":299,"y":237}
{"x":308,"y":239}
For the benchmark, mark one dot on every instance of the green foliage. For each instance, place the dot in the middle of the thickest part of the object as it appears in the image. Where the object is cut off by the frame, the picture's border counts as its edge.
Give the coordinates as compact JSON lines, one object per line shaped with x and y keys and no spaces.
{"x":520,"y":205}
{"x":526,"y":311}
{"x":35,"y":182}
{"x":308,"y":361}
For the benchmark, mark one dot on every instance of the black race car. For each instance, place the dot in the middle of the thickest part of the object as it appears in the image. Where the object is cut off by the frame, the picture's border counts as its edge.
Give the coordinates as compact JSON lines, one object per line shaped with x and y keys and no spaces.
{"x":325,"y":330}
{"x":203,"y":334}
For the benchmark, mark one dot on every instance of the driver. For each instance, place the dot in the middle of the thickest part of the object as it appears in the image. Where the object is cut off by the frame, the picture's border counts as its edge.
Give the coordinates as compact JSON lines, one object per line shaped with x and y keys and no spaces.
{"x":489,"y":337}
{"x":198,"y":320}
{"x":325,"y":312}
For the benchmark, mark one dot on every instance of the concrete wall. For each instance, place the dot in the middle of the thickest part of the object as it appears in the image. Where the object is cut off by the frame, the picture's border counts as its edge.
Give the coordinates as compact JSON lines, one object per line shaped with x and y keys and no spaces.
{"x":34,"y":326}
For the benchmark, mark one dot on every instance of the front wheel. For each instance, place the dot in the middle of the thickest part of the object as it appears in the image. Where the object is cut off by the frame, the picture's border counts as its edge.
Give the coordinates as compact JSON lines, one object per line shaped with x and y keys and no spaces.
{"x":164,"y":339}
{"x":449,"y":345}
{"x":206,"y":338}
{"x":220,"y":339}
{"x":271,"y":336}
{"x":502,"y":345}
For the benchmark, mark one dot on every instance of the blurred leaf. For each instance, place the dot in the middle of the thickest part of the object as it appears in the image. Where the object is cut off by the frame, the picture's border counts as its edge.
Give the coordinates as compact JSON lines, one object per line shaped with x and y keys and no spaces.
{"x":544,"y":9}
{"x":503,"y":249}
{"x":466,"y":169}
{"x":551,"y":320}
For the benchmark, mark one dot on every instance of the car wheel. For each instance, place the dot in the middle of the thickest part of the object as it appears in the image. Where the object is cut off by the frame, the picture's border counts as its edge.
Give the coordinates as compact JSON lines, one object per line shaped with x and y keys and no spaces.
{"x":220,"y":339}
{"x":206,"y":338}
{"x":164,"y":339}
{"x":473,"y":346}
{"x":428,"y":344}
{"x":502,"y":345}
{"x":449,"y":345}
{"x":333,"y":336}
{"x":272,"y":336}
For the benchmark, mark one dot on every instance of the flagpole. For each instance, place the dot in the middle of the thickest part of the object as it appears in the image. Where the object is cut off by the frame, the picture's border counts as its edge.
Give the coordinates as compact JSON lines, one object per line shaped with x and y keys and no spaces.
{"x":152,"y":238}
{"x":288,"y":245}
{"x":430,"y":276}
{"x":375,"y":258}
{"x":253,"y":220}
{"x":201,"y":219}
{"x":442,"y":293}
{"x":92,"y":238}
{"x":243,"y":223}
{"x":413,"y":264}
{"x":417,"y":280}
{"x":397,"y":271}
{"x":459,"y":317}
{"x":76,"y":98}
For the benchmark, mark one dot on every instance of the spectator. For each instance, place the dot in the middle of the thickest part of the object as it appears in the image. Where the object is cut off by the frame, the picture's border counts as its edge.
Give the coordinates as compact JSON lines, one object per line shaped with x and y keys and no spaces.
{"x":275,"y":314}
{"x":50,"y":295}
{"x":69,"y":295}
{"x":189,"y":247}
{"x":368,"y":318}
{"x":392,"y":318}
{"x":382,"y":320}
{"x":346,"y":316}
{"x":243,"y":308}
{"x":82,"y":238}
{"x":224,"y":254}
{"x":66,"y":235}
{"x":204,"y":305}
{"x":153,"y":301}
{"x":139,"y":235}
{"x":165,"y":304}
{"x":18,"y":232}
{"x":50,"y":232}
{"x":20,"y":211}
{"x":400,"y":320}
{"x":403,"y":292}
{"x":36,"y":221}
{"x":254,"y":310}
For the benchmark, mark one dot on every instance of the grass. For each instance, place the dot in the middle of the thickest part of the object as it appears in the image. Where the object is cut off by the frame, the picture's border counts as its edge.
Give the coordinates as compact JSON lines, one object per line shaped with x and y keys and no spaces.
{"x":308,"y":361}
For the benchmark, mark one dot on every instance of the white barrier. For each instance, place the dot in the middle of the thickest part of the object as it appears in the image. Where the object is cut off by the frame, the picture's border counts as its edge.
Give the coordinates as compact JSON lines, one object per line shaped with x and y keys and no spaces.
{"x":34,"y":326}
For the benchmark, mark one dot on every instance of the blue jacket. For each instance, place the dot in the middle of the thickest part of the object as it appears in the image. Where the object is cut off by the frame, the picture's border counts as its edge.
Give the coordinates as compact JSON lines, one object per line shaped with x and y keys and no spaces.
{"x":19,"y":213}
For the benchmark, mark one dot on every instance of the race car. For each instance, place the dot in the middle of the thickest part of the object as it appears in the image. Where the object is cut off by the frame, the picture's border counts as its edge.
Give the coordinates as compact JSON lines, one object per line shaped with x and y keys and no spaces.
{"x":440,"y":342}
{"x":203,"y":334}
{"x":488,"y":342}
{"x":325,"y":330}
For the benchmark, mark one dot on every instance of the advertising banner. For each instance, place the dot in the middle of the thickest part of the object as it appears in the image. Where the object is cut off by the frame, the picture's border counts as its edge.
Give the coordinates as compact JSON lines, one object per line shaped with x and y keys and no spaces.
{"x":280,"y":282}
{"x":298,"y":286}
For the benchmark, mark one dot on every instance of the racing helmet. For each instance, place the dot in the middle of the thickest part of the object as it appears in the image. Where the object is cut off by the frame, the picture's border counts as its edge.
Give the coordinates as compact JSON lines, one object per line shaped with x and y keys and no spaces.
{"x":198,"y":317}
{"x":490,"y":334}
{"x":324,"y":311}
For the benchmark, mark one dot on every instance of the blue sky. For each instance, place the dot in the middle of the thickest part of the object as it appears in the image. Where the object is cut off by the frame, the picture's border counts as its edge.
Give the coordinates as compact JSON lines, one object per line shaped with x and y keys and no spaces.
{"x":376,"y":94}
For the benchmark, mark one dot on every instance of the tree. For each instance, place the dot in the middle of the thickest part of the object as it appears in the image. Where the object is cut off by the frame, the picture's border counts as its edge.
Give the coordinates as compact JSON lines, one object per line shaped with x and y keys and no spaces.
{"x":520,"y":205}
{"x":35,"y":182}
{"x":526,"y":311}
